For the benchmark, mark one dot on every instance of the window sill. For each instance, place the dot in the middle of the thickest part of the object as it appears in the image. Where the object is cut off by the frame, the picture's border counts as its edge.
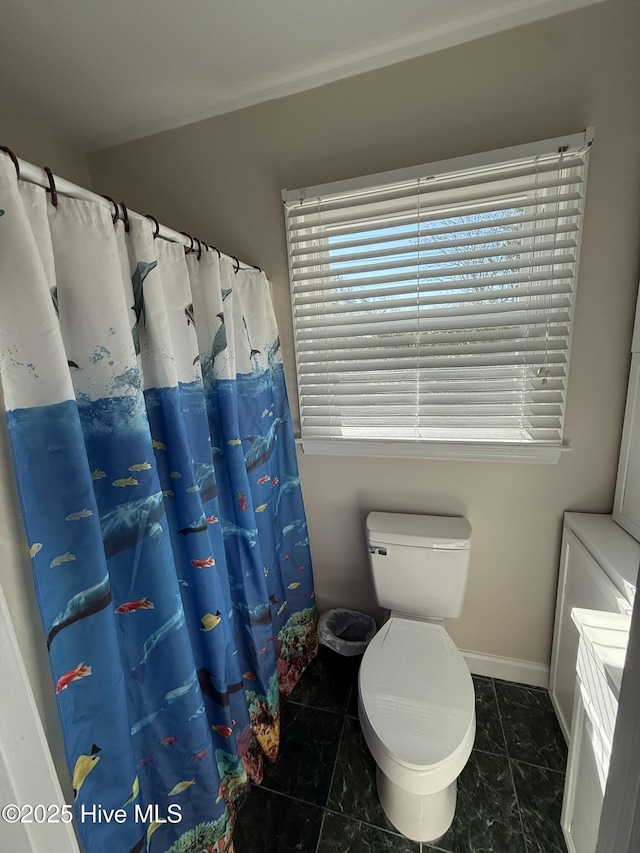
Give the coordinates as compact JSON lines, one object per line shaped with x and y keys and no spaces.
{"x":471,"y":452}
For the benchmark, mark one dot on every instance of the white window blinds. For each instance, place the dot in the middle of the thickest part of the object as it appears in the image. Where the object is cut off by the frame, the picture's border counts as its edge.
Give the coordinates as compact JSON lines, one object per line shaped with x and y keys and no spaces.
{"x":434,"y":305}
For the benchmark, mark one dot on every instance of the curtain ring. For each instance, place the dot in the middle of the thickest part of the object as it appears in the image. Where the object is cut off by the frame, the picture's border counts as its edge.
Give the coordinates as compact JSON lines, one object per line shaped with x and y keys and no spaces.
{"x":218,"y":251}
{"x":190,"y":249}
{"x":256,"y":268}
{"x":237,"y":264}
{"x":156,"y":223}
{"x":199,"y":253}
{"x":116,"y":210}
{"x":13,"y":157}
{"x":125,"y":217}
{"x":52,"y":187}
{"x":206,"y":245}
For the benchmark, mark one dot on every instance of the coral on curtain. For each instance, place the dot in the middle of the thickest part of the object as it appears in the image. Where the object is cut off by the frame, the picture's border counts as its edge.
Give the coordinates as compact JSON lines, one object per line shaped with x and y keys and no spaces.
{"x":156,"y":468}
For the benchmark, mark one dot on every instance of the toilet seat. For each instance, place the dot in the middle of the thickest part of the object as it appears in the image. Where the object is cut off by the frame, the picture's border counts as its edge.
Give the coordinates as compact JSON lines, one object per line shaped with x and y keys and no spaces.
{"x":417,"y":704}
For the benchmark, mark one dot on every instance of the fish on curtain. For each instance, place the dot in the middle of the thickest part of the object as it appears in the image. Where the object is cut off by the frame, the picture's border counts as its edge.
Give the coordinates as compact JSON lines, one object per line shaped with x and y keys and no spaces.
{"x":156,"y":469}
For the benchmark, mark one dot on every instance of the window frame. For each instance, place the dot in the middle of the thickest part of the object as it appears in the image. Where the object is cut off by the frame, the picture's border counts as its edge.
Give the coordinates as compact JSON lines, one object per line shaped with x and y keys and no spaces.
{"x":469,"y":449}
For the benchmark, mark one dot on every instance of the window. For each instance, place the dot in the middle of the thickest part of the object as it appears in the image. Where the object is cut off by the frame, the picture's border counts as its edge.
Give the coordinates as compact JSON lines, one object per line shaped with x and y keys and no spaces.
{"x":432,"y":307}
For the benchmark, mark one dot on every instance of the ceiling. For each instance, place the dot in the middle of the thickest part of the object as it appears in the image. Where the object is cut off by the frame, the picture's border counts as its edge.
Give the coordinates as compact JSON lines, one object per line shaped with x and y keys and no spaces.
{"x":99,"y":72}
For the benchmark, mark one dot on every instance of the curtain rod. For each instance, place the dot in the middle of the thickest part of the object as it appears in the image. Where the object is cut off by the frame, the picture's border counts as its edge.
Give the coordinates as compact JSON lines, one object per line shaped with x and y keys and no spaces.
{"x":44,"y":178}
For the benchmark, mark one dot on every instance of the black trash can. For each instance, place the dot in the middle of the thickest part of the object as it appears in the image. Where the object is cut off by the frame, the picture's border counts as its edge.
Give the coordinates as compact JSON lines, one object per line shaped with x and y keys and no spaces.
{"x":345,"y":635}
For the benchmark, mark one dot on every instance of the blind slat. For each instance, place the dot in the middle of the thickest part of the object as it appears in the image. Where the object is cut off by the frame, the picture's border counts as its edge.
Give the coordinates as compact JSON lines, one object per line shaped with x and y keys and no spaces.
{"x":564,"y":200}
{"x":497,"y":431}
{"x":437,"y":377}
{"x":398,"y":232}
{"x":466,"y":335}
{"x":425,"y":319}
{"x":444,"y":273}
{"x":435,"y":202}
{"x":483,"y":408}
{"x":515,"y":419}
{"x":313,"y":259}
{"x":375,"y":396}
{"x":363,"y":385}
{"x":486,"y":294}
{"x":335,"y":268}
{"x":440,"y":324}
{"x":510,"y":179}
{"x":462,"y":350}
{"x":314,"y":295}
{"x":380,"y":365}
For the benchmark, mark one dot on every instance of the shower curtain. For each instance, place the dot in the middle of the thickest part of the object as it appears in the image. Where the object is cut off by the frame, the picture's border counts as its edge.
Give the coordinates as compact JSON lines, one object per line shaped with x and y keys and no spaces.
{"x":156,"y":469}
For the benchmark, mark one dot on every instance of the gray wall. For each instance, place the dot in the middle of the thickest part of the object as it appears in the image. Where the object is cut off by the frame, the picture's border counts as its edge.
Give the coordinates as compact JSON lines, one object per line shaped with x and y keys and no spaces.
{"x":38,"y":146}
{"x":220,"y":179}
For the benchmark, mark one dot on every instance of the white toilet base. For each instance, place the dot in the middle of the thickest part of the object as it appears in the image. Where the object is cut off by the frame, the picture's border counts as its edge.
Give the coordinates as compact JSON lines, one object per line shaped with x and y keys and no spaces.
{"x":420,"y":817}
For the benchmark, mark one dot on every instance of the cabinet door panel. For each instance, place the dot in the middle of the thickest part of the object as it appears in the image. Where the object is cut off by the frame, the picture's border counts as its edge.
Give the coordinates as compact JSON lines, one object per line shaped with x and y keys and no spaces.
{"x":583,"y":583}
{"x":583,"y":793}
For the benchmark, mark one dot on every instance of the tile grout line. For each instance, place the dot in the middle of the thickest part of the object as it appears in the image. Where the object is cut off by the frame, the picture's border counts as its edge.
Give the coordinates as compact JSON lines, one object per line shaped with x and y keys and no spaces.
{"x":335,"y":765}
{"x":264,"y":787}
{"x":324,"y":814}
{"x":539,"y":766}
{"x":391,"y":832}
{"x":520,"y":761}
{"x":313,"y":707}
{"x":328,"y":809}
{"x":513,"y":781}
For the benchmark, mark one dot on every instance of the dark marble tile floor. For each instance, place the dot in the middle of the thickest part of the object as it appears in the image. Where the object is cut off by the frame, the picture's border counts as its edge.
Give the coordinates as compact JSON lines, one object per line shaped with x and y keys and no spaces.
{"x":320,"y":796}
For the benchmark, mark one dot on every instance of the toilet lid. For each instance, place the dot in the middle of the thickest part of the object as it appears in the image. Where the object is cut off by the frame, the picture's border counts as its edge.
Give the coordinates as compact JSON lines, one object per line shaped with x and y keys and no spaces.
{"x":417,"y":692}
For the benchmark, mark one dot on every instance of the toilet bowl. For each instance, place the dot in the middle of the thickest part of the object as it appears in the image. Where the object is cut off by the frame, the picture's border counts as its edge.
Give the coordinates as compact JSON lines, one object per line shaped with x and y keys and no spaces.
{"x":415,"y":693}
{"x":416,"y":706}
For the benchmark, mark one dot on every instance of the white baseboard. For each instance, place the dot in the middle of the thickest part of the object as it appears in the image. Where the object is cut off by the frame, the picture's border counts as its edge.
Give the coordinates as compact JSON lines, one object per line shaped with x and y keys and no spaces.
{"x":509,"y":669}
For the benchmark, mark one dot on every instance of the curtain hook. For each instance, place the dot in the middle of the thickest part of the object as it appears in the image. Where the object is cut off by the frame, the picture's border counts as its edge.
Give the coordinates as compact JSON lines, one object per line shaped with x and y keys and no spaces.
{"x":218,"y":251}
{"x":13,"y":157}
{"x":199,"y":254}
{"x":206,"y":246}
{"x":190,"y":249}
{"x":256,"y":268}
{"x":156,"y":223}
{"x":237,"y":264}
{"x":52,"y":187}
{"x":116,"y":210}
{"x":125,"y":217}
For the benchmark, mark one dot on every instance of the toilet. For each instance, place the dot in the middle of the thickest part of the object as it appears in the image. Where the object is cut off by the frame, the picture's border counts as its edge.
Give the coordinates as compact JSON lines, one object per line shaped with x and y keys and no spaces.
{"x":416,"y":700}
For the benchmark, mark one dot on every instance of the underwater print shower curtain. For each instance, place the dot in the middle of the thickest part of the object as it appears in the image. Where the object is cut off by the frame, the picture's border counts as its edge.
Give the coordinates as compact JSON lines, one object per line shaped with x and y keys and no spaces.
{"x":156,"y":469}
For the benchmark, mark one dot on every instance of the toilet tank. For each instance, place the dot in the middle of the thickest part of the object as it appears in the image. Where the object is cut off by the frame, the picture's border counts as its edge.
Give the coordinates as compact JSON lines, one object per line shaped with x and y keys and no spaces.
{"x":419,"y":563}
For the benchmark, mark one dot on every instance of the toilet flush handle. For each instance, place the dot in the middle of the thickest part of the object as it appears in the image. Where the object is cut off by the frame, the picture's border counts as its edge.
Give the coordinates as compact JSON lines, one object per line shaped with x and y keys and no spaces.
{"x":381,"y":551}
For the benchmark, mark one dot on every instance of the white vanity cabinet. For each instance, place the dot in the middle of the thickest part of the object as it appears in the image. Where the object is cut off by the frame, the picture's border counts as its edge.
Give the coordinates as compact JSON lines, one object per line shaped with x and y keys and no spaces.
{"x":598,"y":571}
{"x":596,"y":590}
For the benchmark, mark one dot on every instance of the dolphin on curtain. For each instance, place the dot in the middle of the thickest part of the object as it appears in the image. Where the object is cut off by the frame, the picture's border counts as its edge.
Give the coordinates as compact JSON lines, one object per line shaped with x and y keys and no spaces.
{"x":83,"y":604}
